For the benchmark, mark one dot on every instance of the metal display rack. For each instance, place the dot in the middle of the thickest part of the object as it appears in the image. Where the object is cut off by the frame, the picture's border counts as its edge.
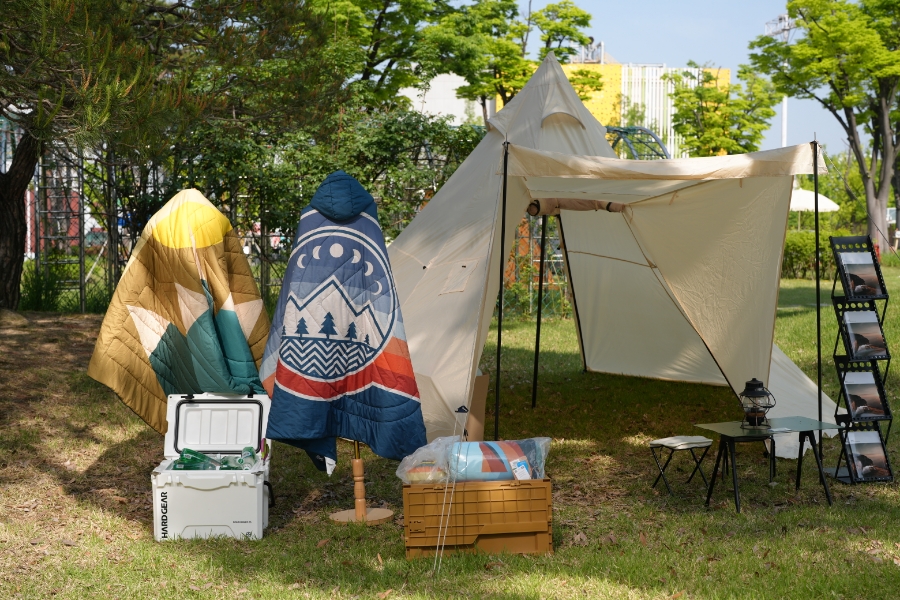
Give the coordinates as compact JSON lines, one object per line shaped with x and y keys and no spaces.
{"x":843,"y":309}
{"x":858,"y":359}
{"x":847,"y":367}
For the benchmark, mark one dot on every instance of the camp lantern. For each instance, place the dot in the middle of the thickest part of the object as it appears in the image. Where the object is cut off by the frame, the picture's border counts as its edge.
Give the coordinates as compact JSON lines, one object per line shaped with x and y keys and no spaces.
{"x":756,"y":401}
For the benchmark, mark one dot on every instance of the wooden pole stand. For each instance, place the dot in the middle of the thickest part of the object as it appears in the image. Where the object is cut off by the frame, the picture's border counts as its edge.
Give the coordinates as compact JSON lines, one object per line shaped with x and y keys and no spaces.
{"x":359,"y":513}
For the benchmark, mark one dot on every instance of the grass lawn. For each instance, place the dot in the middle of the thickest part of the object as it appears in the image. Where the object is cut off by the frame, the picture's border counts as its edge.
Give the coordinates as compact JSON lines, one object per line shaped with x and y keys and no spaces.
{"x":75,"y":517}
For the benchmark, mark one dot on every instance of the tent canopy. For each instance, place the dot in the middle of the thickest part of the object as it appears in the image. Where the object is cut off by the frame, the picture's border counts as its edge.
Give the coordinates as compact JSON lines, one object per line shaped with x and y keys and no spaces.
{"x":680,"y":285}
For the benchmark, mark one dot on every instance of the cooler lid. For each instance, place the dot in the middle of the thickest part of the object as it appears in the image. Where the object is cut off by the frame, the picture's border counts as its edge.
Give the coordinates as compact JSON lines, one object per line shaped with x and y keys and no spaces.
{"x":215,"y":423}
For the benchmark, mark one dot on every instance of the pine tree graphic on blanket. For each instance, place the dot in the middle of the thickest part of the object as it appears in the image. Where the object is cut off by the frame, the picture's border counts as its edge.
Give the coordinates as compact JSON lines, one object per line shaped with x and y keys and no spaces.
{"x":327,"y":336}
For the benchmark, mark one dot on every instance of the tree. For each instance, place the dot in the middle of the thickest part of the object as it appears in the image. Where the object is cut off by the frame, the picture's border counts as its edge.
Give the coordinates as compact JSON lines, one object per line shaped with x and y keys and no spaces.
{"x":72,"y":70}
{"x":846,"y":59}
{"x":301,"y":327}
{"x":402,"y":157}
{"x":843,"y":174}
{"x":485,"y":43}
{"x":328,"y":326}
{"x":634,"y":114}
{"x":257,"y":69}
{"x":585,"y":82}
{"x":715,"y":117}
{"x":389,"y":50}
{"x":351,"y":331}
{"x":127,"y":81}
{"x":561,"y":25}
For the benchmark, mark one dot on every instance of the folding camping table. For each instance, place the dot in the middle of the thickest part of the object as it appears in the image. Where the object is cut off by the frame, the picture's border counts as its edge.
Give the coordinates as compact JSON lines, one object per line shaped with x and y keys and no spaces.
{"x":731,"y":433}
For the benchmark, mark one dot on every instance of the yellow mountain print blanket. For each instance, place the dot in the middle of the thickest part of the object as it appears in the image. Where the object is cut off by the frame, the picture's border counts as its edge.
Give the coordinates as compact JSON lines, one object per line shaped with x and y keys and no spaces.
{"x":186,"y":316}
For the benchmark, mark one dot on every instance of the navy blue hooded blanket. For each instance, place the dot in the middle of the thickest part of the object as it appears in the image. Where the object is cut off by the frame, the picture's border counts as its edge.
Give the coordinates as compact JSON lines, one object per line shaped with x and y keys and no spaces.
{"x":336,"y":363}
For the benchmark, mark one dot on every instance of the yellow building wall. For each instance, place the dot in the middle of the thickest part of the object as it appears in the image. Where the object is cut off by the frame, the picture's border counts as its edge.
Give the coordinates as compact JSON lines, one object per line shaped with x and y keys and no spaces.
{"x":605,"y":105}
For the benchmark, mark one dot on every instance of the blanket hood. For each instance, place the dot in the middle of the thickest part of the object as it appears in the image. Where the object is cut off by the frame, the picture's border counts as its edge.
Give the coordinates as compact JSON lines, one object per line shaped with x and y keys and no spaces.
{"x":341,"y":197}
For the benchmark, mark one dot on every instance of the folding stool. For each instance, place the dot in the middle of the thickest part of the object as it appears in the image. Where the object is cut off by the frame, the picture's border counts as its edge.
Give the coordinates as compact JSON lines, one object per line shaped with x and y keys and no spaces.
{"x":675,"y":444}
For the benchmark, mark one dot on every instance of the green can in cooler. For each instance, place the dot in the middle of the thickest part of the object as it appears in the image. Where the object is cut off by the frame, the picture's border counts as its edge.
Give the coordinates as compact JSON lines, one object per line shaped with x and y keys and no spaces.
{"x":248,"y":456}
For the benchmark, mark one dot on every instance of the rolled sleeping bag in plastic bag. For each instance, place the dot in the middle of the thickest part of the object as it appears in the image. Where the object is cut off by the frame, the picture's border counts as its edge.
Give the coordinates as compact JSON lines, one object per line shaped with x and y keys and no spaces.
{"x":428,"y":464}
{"x":498,"y":461}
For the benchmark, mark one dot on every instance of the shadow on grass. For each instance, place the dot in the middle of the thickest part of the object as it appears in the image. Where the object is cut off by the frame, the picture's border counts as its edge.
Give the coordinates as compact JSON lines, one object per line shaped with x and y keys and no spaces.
{"x":637,"y":541}
{"x":597,"y":406}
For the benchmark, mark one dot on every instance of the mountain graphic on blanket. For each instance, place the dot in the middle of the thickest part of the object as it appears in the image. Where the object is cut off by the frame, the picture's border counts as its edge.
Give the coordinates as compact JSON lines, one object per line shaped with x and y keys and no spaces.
{"x":336,"y":362}
{"x":327,"y":354}
{"x":186,"y":316}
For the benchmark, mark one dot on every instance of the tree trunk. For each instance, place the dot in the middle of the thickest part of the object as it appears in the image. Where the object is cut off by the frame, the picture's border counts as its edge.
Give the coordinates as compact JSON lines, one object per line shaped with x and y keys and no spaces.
{"x":896,"y":194}
{"x":13,"y":227}
{"x":876,"y":199}
{"x":483,"y":101}
{"x":876,"y":203}
{"x":878,"y":224}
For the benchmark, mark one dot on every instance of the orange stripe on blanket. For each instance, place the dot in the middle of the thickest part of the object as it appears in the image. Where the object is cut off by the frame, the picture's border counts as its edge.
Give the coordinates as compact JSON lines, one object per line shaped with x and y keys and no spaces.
{"x":491,"y":461}
{"x":269,"y":384}
{"x":511,"y":451}
{"x":374,"y":373}
{"x":392,"y":362}
{"x":397,"y":347}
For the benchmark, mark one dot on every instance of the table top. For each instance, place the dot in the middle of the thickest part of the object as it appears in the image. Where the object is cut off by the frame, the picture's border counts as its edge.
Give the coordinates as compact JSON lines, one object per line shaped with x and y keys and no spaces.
{"x":777,"y":425}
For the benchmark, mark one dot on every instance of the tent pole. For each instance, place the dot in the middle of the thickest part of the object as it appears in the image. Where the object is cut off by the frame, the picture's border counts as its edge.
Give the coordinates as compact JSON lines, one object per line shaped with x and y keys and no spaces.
{"x":537,"y":336}
{"x":565,"y":251}
{"x":500,"y":308}
{"x":815,"y":146}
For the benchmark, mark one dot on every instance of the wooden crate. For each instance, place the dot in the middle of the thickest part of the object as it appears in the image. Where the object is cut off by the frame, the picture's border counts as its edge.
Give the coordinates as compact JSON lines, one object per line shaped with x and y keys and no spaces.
{"x":484,"y":516}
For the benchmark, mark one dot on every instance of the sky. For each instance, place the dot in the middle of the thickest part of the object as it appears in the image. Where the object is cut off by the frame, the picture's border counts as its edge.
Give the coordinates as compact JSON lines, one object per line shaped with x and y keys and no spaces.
{"x":674,"y":32}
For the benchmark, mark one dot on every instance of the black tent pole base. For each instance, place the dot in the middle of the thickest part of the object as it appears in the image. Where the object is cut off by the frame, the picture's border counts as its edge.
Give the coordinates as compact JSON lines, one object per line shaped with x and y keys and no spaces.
{"x":537,"y":335}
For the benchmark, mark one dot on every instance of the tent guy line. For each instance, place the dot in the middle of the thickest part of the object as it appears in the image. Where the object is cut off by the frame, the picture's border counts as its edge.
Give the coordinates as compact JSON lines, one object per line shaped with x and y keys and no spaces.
{"x":637,"y":264}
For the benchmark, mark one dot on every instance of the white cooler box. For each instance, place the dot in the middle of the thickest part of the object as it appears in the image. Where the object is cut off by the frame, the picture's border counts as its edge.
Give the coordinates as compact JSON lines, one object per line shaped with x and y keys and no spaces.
{"x":189,"y":504}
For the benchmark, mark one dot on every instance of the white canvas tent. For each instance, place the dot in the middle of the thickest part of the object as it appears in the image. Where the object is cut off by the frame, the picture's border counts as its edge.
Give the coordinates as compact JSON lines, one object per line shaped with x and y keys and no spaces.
{"x":681,"y":285}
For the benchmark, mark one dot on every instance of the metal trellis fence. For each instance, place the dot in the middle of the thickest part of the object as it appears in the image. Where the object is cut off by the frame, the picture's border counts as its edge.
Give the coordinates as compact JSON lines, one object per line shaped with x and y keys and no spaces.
{"x":522,"y":275}
{"x":83,"y":224}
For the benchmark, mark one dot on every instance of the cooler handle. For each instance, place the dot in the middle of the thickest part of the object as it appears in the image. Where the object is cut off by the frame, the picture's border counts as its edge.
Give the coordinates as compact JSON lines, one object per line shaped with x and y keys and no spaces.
{"x":271,"y":493}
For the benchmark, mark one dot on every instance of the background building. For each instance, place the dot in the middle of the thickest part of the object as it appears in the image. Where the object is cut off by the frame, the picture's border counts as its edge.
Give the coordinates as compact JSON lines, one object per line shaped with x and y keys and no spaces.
{"x":632,"y":95}
{"x":638,"y":95}
{"x":440,"y":99}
